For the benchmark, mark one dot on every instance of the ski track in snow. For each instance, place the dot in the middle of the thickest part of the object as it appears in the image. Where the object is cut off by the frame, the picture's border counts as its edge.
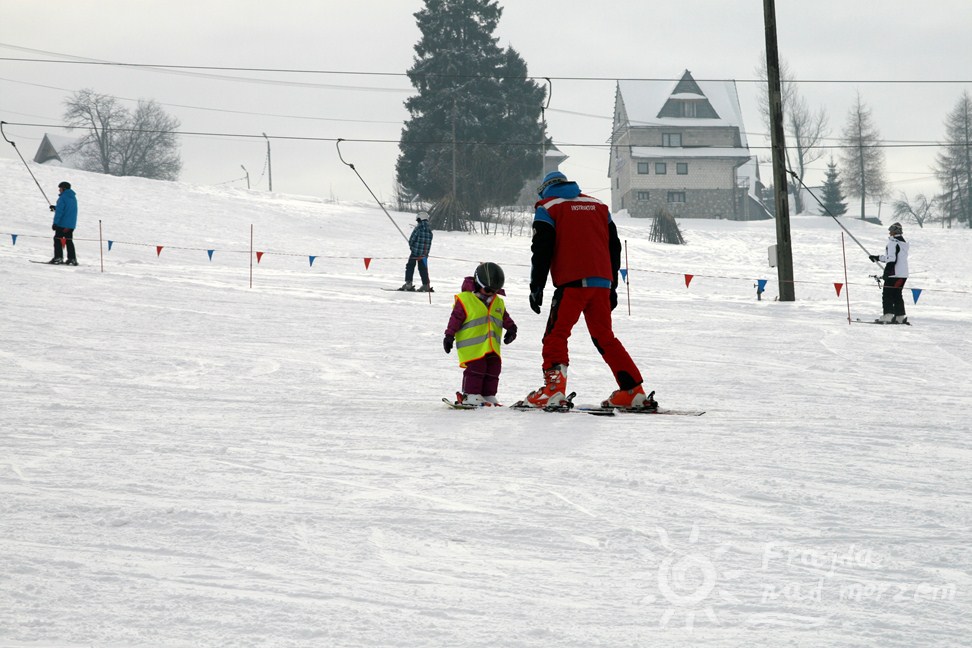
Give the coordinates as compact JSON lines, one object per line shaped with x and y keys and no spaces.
{"x":186,"y":461}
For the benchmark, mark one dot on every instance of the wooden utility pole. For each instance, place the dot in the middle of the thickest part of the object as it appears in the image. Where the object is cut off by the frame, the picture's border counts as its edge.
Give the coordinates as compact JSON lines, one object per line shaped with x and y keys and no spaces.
{"x":784,"y":252}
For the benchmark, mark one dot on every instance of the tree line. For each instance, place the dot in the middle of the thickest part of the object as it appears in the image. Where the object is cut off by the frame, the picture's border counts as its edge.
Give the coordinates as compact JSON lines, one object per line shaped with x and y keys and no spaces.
{"x":464,"y":147}
{"x":860,"y":172}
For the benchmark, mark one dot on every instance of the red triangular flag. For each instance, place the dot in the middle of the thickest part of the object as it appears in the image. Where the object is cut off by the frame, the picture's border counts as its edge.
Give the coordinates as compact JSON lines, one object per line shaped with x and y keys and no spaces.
{"x":259,"y":256}
{"x":838,"y":286}
{"x":367,"y":262}
{"x":63,"y":241}
{"x":688,"y":279}
{"x":158,"y":250}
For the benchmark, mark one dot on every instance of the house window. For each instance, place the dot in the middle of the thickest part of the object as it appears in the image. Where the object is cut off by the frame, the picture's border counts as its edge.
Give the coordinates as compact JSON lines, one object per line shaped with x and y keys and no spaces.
{"x":661,"y":168}
{"x":643,"y":195}
{"x":676,"y":196}
{"x":688,"y":109}
{"x":643,"y":168}
{"x":681,"y":168}
{"x":671,"y":139}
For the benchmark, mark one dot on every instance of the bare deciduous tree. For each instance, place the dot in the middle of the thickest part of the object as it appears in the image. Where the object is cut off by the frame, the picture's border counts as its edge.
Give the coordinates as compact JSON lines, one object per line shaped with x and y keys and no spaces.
{"x":804,"y":128}
{"x":919,"y":210}
{"x":122,"y":143}
{"x":953,"y":165}
{"x":862,"y":163}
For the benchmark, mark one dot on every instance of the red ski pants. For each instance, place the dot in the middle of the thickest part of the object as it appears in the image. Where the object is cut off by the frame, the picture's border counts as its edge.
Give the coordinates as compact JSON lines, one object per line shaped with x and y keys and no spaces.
{"x":595,"y":303}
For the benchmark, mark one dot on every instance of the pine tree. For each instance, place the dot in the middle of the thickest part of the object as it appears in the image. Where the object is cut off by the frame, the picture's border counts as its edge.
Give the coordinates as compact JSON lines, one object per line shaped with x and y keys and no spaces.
{"x":833,"y":194}
{"x":862,"y":164}
{"x":475,"y":116}
{"x":953,"y":165}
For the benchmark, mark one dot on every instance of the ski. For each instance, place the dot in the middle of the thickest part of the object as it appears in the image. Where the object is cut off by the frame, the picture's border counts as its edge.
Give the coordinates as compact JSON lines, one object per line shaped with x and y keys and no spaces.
{"x":568,"y":406}
{"x":69,"y":265}
{"x":460,"y":406}
{"x":464,"y":406}
{"x":609,"y":411}
{"x":416,"y":291}
{"x":861,"y":321}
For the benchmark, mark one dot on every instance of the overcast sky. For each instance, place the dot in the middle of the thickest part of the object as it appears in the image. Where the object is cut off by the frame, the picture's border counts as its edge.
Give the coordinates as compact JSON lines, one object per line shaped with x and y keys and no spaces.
{"x":838,"y":41}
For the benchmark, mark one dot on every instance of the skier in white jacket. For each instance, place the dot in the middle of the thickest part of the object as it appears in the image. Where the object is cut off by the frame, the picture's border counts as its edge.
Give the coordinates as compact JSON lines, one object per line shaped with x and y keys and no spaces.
{"x":895,"y":275}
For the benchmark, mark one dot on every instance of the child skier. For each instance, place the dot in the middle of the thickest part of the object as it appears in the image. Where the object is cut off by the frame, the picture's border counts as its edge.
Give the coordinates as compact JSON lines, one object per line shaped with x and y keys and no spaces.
{"x":477,"y":321}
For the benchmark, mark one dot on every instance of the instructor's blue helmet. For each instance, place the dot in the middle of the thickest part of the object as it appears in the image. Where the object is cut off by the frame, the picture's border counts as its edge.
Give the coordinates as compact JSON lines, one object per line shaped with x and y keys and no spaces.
{"x":552,"y":178}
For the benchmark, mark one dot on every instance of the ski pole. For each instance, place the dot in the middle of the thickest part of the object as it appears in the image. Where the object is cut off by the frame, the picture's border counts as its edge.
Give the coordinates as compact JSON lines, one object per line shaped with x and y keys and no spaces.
{"x":832,"y":216}
{"x":338,"y":144}
{"x":25,"y":164}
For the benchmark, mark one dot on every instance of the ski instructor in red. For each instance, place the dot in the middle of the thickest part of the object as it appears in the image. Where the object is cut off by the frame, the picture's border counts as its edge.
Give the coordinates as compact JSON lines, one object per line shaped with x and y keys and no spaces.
{"x":576,"y":242}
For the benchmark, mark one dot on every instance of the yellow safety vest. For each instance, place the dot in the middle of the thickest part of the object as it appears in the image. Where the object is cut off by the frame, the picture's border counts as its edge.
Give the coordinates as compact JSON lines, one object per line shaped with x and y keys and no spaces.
{"x":482,"y":331}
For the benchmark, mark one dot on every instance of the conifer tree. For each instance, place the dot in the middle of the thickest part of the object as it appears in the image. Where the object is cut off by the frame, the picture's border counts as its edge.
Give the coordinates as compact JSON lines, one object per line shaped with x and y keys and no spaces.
{"x":833,"y":194}
{"x":474,"y":132}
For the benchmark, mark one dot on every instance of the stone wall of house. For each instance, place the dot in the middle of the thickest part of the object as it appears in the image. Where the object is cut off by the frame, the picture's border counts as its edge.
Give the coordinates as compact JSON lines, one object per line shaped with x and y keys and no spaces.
{"x":699,"y":203}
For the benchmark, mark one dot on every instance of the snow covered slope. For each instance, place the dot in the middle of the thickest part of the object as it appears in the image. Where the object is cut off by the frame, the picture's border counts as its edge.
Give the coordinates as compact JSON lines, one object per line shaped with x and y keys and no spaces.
{"x":188,"y":461}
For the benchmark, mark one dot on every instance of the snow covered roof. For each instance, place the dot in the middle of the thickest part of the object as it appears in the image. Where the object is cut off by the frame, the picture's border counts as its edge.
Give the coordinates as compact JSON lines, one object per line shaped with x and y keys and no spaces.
{"x":644,"y":101}
{"x":52,"y":150}
{"x":697,"y":152}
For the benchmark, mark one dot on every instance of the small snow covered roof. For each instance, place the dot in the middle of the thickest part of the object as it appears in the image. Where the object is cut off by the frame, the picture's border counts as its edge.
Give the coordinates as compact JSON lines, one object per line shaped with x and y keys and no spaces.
{"x":52,"y":150}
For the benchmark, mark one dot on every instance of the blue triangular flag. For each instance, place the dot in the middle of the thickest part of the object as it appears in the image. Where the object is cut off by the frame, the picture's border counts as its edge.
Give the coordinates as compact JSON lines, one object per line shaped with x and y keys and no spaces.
{"x":210,"y":253}
{"x":110,"y":243}
{"x":14,"y":237}
{"x":624,"y":275}
{"x":761,"y":283}
{"x":312,"y":257}
{"x":424,"y":261}
{"x":915,"y":292}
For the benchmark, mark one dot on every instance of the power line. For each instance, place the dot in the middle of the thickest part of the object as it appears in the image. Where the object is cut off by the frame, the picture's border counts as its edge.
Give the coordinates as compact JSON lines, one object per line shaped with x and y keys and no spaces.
{"x":465,"y":142}
{"x":70,"y":59}
{"x":221,"y":110}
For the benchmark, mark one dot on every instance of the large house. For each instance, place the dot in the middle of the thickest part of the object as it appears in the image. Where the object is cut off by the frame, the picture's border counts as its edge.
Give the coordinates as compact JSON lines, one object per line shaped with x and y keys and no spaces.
{"x":682,"y":147}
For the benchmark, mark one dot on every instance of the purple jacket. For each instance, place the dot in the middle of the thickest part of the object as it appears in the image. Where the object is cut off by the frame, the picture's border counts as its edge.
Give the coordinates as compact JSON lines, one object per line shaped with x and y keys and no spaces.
{"x":458,"y":316}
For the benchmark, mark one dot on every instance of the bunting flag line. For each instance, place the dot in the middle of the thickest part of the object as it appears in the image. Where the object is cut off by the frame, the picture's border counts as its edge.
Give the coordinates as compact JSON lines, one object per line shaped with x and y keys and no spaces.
{"x":14,"y":237}
{"x":688,"y":279}
{"x":259,"y":256}
{"x":915,"y":292}
{"x":110,"y":243}
{"x":312,"y":257}
{"x":63,"y":241}
{"x":367,"y":261}
{"x":210,"y":253}
{"x":837,"y":287}
{"x":624,"y":275}
{"x":761,"y":284}
{"x":158,"y":250}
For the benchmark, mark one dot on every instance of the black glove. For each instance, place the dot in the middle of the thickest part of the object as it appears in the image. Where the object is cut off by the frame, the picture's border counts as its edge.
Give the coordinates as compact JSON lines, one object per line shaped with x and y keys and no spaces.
{"x":874,"y":257}
{"x":614,"y":298}
{"x":53,"y":208}
{"x":447,"y":342}
{"x":510,"y":336}
{"x":536,"y":299}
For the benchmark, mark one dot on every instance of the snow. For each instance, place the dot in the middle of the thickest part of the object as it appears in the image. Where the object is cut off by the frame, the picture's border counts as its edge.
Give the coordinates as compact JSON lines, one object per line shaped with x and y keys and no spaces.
{"x":188,"y":461}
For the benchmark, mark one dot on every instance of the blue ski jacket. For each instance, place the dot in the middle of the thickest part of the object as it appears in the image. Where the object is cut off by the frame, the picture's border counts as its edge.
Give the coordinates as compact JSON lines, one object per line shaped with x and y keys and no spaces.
{"x":66,"y":211}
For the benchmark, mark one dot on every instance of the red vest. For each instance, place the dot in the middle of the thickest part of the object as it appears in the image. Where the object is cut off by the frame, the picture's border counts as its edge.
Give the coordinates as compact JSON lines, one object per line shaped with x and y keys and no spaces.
{"x":581,"y":248}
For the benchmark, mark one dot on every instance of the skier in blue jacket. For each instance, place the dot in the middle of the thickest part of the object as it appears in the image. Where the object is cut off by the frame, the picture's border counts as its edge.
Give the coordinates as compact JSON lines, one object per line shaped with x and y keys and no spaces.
{"x":65,"y":221}
{"x":419,"y":243}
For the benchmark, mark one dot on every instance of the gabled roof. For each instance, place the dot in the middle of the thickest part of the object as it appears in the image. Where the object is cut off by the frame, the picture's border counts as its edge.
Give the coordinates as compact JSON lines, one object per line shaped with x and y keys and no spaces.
{"x":52,"y":150}
{"x":645,"y":103}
